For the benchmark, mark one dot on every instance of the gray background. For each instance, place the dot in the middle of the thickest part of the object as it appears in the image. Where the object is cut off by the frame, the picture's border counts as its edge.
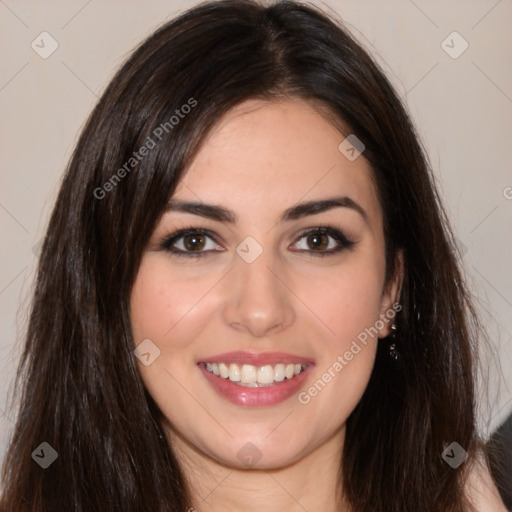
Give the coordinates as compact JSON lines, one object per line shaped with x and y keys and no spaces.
{"x":462,"y":107}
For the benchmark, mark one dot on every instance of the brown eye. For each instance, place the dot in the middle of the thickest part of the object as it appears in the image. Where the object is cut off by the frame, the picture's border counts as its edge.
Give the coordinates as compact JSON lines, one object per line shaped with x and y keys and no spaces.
{"x":323,"y":241}
{"x":194,"y":242}
{"x":318,"y":241}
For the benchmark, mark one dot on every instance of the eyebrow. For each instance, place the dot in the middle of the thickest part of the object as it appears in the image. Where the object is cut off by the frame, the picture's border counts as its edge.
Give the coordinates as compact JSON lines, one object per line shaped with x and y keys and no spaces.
{"x":221,"y":214}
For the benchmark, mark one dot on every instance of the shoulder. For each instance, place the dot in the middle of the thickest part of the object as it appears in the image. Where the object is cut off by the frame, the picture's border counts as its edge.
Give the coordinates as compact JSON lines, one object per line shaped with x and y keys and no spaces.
{"x":481,"y":489}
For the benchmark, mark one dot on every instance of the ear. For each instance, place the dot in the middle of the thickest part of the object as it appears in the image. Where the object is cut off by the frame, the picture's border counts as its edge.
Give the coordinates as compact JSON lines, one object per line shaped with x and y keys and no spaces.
{"x":391,"y":297}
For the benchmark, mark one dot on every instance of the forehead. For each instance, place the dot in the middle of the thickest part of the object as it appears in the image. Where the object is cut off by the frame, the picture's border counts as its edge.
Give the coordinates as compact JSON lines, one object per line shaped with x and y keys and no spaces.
{"x":276,"y":154}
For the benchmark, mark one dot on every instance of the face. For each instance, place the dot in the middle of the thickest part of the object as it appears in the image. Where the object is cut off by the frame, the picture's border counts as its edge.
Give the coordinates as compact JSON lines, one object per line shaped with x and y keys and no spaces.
{"x":267,"y":312}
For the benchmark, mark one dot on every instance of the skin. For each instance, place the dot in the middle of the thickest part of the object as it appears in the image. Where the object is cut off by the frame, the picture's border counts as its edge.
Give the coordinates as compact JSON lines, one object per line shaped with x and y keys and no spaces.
{"x":261,"y":159}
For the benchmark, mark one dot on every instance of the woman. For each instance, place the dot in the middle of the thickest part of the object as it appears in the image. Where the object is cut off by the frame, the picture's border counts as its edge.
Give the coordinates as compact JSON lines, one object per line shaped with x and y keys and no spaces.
{"x":248,"y":293}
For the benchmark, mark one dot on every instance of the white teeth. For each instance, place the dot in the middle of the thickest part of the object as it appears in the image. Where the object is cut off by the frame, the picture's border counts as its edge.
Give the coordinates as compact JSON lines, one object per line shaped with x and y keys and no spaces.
{"x":224,"y":370}
{"x":256,"y":376}
{"x":248,"y":374}
{"x":279,"y":374}
{"x":234,"y":372}
{"x":266,"y":374}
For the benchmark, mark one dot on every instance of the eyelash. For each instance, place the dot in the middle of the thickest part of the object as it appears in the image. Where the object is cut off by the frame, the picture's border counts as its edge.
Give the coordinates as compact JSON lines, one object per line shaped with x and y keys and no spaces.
{"x":343,"y":241}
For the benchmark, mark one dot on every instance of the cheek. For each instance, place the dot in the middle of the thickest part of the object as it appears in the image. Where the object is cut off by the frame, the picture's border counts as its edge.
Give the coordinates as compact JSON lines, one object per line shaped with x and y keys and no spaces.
{"x":169,"y":312}
{"x":348,"y":302}
{"x":159,"y":302}
{"x":346,"y":358}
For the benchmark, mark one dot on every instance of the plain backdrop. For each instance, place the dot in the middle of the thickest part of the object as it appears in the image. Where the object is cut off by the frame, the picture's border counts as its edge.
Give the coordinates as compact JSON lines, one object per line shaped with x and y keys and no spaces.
{"x":460,"y":100}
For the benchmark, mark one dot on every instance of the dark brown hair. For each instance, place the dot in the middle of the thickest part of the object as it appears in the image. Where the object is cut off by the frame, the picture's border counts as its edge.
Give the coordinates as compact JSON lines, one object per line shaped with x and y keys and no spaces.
{"x":78,"y":379}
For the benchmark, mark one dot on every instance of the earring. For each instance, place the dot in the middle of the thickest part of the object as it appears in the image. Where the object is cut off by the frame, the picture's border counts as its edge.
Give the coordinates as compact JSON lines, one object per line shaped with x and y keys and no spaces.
{"x":393,"y":348}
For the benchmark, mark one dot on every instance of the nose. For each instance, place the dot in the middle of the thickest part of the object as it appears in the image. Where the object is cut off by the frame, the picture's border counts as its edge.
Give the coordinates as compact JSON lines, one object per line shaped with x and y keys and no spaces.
{"x":258,"y":300}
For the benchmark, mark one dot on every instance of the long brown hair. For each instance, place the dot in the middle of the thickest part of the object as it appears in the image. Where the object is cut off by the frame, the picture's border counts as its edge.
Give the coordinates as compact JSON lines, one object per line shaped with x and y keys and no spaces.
{"x":78,"y":380}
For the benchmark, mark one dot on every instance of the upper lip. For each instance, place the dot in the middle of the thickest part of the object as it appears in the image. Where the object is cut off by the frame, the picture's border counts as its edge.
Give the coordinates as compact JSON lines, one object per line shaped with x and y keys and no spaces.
{"x":256,"y":359}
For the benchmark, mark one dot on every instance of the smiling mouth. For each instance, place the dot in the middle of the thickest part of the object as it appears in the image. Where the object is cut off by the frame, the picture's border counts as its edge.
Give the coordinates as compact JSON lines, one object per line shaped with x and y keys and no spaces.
{"x":249,"y":375}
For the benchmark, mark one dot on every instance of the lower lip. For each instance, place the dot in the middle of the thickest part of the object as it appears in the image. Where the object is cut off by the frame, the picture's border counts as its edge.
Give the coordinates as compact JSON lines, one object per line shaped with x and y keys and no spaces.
{"x":254,"y":397}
